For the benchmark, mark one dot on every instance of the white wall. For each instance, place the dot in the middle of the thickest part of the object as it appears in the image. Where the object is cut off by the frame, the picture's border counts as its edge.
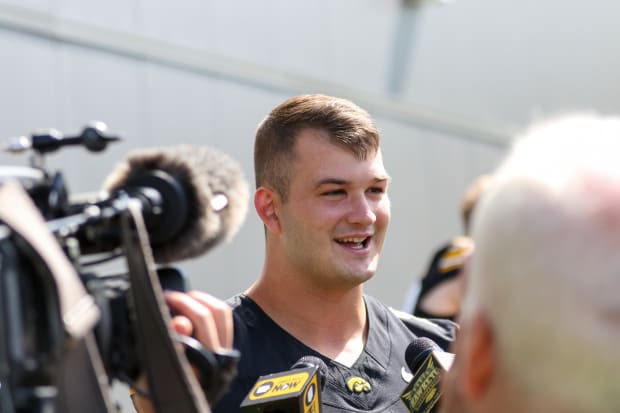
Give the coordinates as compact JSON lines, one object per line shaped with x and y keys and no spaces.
{"x":206,"y":73}
{"x":510,"y":62}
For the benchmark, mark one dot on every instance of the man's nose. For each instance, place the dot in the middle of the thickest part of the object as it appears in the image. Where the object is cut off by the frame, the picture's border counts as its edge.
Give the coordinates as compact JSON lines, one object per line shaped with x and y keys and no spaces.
{"x":362,"y":210}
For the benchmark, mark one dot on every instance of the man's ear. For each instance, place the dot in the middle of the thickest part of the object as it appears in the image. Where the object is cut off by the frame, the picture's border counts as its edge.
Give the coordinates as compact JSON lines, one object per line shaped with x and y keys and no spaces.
{"x":266,"y":202}
{"x":480,"y":357}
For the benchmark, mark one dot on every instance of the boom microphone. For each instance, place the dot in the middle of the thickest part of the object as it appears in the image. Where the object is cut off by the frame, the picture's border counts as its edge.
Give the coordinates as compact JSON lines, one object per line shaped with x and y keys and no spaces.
{"x":297,"y":390}
{"x":428,"y":363}
{"x":193,"y":197}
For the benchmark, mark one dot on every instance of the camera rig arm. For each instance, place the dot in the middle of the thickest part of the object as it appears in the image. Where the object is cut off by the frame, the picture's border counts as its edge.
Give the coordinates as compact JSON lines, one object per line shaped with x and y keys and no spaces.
{"x":172,"y":384}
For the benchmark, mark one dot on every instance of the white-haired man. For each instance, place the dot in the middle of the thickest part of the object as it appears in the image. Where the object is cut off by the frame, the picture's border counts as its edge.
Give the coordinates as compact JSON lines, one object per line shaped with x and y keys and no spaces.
{"x":540,"y":324}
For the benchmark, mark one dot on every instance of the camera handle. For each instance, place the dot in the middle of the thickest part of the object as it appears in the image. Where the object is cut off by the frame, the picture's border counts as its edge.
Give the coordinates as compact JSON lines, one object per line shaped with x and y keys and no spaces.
{"x":172,"y":384}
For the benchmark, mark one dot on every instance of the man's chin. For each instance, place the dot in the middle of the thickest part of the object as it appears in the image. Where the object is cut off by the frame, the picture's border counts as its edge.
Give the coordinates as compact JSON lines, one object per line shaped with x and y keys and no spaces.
{"x":360,"y":276}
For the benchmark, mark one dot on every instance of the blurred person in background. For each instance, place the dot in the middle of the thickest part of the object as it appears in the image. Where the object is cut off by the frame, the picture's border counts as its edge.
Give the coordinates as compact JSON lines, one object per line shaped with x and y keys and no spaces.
{"x":438,"y":293}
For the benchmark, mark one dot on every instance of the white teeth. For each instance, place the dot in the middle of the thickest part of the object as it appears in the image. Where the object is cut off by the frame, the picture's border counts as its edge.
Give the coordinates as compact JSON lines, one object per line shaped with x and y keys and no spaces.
{"x":352,"y":240}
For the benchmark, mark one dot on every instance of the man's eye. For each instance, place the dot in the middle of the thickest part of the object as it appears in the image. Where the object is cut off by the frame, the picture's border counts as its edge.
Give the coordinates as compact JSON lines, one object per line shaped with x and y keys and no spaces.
{"x":333,"y":192}
{"x":377,"y":190}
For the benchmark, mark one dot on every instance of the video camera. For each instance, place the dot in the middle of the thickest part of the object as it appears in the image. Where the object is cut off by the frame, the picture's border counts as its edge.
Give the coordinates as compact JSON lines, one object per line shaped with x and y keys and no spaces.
{"x":67,"y":330}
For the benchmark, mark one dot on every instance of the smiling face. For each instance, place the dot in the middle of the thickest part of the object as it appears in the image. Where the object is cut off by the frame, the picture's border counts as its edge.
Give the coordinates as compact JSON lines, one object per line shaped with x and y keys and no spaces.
{"x":334,"y":221}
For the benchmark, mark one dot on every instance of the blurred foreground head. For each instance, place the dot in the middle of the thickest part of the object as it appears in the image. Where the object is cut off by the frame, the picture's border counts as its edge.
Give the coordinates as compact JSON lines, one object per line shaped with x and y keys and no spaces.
{"x":541,"y":316}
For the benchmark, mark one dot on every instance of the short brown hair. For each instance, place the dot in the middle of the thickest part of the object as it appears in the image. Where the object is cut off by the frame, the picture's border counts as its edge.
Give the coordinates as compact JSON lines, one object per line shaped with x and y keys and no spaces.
{"x":346,"y":124}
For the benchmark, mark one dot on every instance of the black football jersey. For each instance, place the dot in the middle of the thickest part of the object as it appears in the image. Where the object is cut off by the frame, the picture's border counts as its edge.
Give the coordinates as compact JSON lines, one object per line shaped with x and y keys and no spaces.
{"x":372,"y":384}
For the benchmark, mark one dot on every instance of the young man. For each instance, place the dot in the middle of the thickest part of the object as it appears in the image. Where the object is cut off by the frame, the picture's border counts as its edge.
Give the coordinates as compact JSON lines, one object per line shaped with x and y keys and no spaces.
{"x":540,"y":323}
{"x":322,"y":196}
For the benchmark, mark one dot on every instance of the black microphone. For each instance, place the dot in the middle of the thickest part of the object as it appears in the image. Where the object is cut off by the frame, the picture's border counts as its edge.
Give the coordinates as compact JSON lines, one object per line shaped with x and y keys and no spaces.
{"x":428,"y":363}
{"x":193,"y":197}
{"x":293,"y":391}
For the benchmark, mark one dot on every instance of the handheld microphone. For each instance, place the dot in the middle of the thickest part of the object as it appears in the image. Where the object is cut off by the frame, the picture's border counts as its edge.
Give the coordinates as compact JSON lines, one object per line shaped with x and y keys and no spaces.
{"x":192,"y":198}
{"x":297,"y":390}
{"x":428,"y":363}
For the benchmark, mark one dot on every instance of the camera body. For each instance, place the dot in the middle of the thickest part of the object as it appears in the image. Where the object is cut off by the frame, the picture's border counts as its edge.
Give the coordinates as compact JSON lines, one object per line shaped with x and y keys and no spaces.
{"x":67,"y":330}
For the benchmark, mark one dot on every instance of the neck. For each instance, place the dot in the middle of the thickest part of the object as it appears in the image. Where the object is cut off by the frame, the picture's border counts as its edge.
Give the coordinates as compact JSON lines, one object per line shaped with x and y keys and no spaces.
{"x":332,"y":323}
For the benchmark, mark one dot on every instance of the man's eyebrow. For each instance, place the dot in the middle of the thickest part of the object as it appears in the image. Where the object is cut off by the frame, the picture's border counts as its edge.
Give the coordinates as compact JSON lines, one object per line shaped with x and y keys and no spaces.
{"x":338,"y":181}
{"x":331,"y":181}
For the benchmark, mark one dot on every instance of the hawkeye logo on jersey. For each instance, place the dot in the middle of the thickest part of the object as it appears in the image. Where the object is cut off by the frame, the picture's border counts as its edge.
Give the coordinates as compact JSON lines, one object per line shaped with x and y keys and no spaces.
{"x":279,"y":386}
{"x":358,"y":385}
